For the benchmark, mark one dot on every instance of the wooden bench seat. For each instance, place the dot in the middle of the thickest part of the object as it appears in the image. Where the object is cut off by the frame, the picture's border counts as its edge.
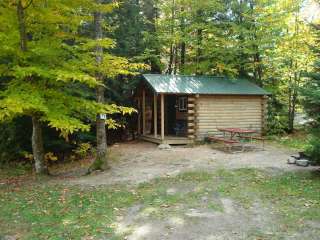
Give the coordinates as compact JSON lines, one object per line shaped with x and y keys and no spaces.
{"x":228,"y":143}
{"x":221,"y":139}
{"x":254,"y":138}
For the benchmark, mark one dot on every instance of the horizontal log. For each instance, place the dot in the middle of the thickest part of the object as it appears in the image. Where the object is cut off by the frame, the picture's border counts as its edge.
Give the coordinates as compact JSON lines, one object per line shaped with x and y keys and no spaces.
{"x":218,"y":123}
{"x":224,"y":106}
{"x":229,"y":119}
{"x":248,"y":126}
{"x":206,"y":130}
{"x":224,"y":118}
{"x":228,"y":114}
{"x":233,"y":125}
{"x":228,"y":98}
{"x":213,"y":101}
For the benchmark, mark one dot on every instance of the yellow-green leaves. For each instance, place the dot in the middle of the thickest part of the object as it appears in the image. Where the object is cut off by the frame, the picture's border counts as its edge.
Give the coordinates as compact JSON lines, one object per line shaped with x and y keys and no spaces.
{"x":54,"y":77}
{"x":91,"y":44}
{"x":76,"y":76}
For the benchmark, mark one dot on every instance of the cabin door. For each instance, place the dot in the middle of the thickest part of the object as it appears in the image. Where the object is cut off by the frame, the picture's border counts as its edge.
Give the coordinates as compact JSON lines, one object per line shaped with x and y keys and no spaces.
{"x":171,"y":114}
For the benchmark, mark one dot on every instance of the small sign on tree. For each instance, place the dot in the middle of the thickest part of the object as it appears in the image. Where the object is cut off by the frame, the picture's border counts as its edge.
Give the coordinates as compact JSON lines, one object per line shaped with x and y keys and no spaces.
{"x":103,"y":116}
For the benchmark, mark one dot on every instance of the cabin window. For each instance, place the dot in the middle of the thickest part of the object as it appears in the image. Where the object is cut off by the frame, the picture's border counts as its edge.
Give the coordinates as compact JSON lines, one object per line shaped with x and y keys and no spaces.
{"x":182,"y":104}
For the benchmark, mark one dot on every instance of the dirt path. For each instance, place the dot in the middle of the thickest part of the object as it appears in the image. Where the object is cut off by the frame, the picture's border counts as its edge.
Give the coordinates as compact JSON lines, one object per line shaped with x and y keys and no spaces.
{"x":232,"y":222}
{"x":137,"y":162}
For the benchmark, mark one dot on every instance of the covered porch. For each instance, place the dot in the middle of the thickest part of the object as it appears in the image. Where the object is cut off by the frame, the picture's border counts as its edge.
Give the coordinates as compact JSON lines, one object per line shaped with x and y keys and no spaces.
{"x":165,"y":118}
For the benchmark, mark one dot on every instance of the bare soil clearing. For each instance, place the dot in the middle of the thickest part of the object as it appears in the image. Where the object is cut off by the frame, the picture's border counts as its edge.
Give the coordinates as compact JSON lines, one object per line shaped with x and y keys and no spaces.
{"x":184,"y":193}
{"x":215,"y":217}
{"x":233,"y":222}
{"x":137,"y":162}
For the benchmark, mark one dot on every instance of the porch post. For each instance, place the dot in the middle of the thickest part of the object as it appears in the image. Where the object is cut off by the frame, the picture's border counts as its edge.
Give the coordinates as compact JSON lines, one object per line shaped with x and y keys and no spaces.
{"x":143,"y":112}
{"x":162,"y":117}
{"x":155,"y":115}
{"x":139,"y":116}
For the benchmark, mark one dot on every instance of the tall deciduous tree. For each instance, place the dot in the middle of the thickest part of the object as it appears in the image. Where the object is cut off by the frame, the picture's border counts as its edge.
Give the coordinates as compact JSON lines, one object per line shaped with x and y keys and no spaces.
{"x":45,"y":59}
{"x":293,"y":59}
{"x":100,"y":123}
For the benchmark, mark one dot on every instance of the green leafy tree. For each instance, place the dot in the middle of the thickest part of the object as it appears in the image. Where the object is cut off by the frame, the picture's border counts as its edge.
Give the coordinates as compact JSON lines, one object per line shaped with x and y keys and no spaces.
{"x":311,"y":98}
{"x":292,"y":60}
{"x":45,"y":58}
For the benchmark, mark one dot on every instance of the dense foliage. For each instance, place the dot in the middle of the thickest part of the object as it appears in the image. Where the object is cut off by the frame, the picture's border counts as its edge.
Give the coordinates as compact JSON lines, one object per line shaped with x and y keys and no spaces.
{"x":265,"y":41}
{"x":311,"y":100}
{"x":49,"y":66}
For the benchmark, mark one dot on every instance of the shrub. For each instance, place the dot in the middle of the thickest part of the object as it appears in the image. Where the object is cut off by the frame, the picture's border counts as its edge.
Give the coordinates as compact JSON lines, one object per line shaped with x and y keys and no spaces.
{"x":313,"y":149}
{"x":83,"y":150}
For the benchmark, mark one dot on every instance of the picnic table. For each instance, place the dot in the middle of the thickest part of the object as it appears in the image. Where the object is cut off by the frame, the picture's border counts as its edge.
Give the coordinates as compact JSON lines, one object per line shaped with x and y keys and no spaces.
{"x":232,"y":142}
{"x":236,"y":132}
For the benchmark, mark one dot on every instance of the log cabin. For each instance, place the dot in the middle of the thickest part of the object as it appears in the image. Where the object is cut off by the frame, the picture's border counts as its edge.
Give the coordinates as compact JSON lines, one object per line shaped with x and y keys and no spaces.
{"x":179,"y":109}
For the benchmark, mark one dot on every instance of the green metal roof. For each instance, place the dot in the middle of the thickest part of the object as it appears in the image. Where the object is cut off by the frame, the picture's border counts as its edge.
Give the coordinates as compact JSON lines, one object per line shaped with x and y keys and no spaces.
{"x":163,"y":83}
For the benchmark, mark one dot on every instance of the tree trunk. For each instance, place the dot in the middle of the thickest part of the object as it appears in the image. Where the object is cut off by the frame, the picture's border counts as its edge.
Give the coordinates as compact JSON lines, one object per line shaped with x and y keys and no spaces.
{"x":291,"y":113}
{"x":150,"y":9}
{"x":22,"y":26}
{"x":183,"y":43}
{"x":293,"y":103}
{"x":183,"y":57}
{"x":175,"y":60}
{"x":37,"y":140}
{"x":37,"y":147}
{"x":101,"y":158}
{"x":199,"y":51}
{"x":172,"y":46}
{"x":170,"y":65}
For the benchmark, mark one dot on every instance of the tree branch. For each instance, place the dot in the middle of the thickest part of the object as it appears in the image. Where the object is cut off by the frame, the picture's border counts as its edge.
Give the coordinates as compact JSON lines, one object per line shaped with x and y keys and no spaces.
{"x":28,"y":5}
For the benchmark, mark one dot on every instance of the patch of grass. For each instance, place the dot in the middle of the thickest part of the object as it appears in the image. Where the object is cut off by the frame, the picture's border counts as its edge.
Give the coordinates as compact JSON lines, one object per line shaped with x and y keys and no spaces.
{"x":215,"y":206}
{"x":298,"y":141}
{"x":60,"y":212}
{"x":48,"y":211}
{"x":295,"y":197}
{"x":14,"y":170}
{"x":189,"y":187}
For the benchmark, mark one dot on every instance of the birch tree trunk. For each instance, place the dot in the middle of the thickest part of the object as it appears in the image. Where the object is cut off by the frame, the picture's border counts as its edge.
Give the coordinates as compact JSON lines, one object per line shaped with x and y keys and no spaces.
{"x":37,"y":139}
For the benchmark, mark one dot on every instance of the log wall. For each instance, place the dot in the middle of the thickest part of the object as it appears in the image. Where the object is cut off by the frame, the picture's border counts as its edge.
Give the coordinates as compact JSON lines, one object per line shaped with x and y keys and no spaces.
{"x":229,"y":111}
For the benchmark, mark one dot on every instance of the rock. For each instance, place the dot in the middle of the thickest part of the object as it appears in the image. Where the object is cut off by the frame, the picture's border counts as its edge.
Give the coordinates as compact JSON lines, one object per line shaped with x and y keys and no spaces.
{"x":302,"y":162}
{"x":171,"y":191}
{"x":295,"y":157}
{"x":291,"y":160}
{"x":7,"y":237}
{"x":204,"y":199}
{"x":164,"y":147}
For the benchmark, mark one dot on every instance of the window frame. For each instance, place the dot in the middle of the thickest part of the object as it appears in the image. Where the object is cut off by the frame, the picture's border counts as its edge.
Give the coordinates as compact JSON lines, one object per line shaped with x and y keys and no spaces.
{"x":182,"y":104}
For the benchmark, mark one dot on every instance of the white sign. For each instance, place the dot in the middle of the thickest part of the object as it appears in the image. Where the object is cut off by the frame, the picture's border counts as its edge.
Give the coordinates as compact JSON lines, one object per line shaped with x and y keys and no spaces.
{"x":103,"y":116}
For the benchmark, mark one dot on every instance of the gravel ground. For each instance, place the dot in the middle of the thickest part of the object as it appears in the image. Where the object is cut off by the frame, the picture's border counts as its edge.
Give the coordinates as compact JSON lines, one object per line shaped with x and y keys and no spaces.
{"x":137,"y":162}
